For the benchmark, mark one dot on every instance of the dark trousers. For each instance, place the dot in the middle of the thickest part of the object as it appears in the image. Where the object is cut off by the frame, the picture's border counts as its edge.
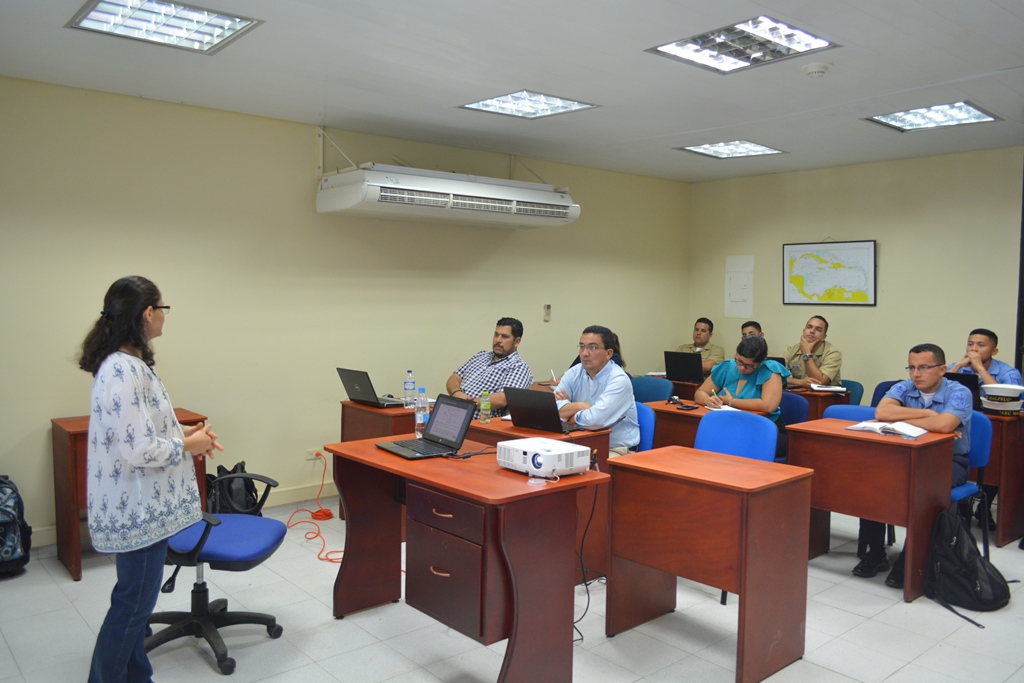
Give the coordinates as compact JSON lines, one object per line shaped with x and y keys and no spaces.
{"x":120,"y":652}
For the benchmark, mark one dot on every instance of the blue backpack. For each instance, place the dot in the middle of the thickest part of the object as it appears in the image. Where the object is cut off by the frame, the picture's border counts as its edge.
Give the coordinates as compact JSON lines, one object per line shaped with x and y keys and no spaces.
{"x":15,"y":533}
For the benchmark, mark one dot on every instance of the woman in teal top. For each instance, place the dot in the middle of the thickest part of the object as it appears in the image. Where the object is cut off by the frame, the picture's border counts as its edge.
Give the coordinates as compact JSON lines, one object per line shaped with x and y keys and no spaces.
{"x":749,"y":382}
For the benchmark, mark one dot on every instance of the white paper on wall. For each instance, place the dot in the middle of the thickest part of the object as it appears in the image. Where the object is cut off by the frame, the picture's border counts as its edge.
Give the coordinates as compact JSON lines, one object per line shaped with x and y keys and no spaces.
{"x":739,"y":286}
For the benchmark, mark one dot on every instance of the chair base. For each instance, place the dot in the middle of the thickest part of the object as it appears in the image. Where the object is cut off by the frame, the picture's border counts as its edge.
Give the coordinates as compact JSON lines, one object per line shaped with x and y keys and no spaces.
{"x":204,"y":621}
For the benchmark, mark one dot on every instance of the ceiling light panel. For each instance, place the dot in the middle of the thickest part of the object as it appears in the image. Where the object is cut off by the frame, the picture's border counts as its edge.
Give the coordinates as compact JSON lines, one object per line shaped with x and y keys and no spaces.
{"x":743,"y":45}
{"x":528,"y":105}
{"x":731,"y":150}
{"x":937,"y":116}
{"x":189,"y":28}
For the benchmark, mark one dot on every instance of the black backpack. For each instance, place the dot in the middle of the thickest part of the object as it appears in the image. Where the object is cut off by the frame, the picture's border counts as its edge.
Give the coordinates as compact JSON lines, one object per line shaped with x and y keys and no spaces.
{"x":15,"y":533}
{"x":235,"y":495}
{"x":957,"y":572}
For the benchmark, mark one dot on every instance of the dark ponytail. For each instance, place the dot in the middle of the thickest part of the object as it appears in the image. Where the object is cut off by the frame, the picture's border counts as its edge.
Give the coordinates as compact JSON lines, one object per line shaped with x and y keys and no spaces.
{"x":120,"y":323}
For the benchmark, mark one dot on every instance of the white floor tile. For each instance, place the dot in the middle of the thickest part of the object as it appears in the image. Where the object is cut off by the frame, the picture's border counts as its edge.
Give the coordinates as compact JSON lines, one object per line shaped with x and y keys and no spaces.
{"x":889,"y":640}
{"x":859,"y":663}
{"x":692,"y":669}
{"x":479,"y":665}
{"x":803,"y":671}
{"x":858,"y":602}
{"x":638,"y":652}
{"x":431,"y":644}
{"x":590,"y":668}
{"x":370,"y":664}
{"x":965,"y":665}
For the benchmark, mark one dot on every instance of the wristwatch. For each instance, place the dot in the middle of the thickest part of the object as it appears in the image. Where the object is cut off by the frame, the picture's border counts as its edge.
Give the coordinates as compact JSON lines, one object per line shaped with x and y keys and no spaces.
{"x":808,"y":356}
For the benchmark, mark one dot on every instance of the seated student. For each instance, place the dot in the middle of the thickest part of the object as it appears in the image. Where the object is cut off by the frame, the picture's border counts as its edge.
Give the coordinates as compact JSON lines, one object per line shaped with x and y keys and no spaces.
{"x":598,"y":394}
{"x":748,"y":382}
{"x":812,"y":359}
{"x":710,"y":354}
{"x":751,"y":328}
{"x":616,"y":357}
{"x":930,"y":401}
{"x":982,"y":344}
{"x":493,"y":370}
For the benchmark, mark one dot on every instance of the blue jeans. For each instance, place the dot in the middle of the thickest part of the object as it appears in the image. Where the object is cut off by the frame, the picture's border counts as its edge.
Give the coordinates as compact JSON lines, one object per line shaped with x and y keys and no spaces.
{"x":120,"y":653}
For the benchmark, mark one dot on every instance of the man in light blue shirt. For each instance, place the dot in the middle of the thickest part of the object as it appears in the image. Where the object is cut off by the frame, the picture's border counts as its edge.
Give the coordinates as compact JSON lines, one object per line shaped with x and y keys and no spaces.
{"x":982,"y":344}
{"x":598,"y":394}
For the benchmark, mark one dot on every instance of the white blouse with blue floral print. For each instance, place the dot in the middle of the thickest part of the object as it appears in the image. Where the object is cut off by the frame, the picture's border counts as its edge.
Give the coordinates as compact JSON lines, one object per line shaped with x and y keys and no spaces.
{"x":142,"y":482}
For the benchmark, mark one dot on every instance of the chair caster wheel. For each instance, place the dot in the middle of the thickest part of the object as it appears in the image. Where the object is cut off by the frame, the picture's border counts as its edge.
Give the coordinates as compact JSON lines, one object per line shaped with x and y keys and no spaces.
{"x":219,"y":605}
{"x":275,"y":631}
{"x":227,"y":667}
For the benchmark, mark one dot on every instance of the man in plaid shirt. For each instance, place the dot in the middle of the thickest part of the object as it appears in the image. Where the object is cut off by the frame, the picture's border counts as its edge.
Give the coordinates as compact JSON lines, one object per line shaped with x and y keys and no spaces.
{"x":493,"y":370}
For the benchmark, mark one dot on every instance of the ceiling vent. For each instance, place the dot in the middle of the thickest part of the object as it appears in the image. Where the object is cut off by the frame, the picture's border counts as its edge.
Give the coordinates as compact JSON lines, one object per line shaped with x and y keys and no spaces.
{"x":399,"y":192}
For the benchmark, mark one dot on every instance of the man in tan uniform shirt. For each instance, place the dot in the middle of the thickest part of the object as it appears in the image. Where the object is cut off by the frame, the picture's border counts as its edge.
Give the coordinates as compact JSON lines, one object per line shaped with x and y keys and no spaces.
{"x":813,"y":359}
{"x":711,"y":354}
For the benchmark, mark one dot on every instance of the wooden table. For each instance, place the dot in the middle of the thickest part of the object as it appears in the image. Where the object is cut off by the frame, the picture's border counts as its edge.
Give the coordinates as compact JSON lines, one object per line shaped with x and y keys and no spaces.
{"x":488,"y":554}
{"x":70,"y":491}
{"x":737,"y":524}
{"x":1006,"y":470}
{"x":819,"y":400}
{"x":885,"y":478}
{"x":674,"y":427}
{"x":597,"y":544}
{"x":360,"y":421}
{"x":684,"y":390}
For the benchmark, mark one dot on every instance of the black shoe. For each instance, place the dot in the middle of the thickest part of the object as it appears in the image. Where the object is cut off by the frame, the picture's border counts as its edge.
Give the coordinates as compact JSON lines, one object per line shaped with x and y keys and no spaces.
{"x":874,"y":561}
{"x":895,"y":578}
{"x":991,"y":522}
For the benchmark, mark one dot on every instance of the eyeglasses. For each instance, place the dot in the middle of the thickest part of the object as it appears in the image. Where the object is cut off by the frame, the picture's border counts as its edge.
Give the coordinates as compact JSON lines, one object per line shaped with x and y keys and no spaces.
{"x":166,"y":308}
{"x":590,"y":347}
{"x":922,"y":368}
{"x":746,"y":366}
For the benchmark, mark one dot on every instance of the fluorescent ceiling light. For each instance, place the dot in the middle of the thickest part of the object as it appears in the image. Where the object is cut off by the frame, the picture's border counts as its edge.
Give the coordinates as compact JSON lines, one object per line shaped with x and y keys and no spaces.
{"x":743,"y":45}
{"x":528,"y":105}
{"x":731,"y":150}
{"x":163,"y":23}
{"x":934,"y":117}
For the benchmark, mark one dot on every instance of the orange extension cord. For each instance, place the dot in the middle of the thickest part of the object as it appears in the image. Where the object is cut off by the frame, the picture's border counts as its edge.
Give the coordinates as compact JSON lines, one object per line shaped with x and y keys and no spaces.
{"x":320,"y":514}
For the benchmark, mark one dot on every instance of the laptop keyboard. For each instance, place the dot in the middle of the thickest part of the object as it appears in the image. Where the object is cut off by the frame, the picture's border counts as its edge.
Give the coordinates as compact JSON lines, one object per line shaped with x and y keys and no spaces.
{"x":425,"y":447}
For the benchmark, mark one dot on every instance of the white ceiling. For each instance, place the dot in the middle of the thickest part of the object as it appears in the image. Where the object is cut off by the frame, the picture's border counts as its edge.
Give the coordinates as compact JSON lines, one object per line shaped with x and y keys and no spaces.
{"x":403,"y":68}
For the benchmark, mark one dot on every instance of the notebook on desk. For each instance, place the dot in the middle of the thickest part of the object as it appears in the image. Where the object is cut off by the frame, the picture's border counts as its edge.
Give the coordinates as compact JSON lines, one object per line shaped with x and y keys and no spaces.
{"x":445,"y":432}
{"x":535,"y":410}
{"x":969,"y":380}
{"x":684,"y":367}
{"x":360,"y":389}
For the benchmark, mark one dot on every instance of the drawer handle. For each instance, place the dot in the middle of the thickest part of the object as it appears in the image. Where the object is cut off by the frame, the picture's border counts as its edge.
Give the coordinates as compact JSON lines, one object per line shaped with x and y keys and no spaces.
{"x":445,"y":575}
{"x":446,"y":515}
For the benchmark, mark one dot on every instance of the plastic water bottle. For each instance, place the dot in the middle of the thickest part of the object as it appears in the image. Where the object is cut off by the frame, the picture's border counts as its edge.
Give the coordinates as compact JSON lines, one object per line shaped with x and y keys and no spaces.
{"x":485,"y":407}
{"x":409,"y":397}
{"x":422,"y":412}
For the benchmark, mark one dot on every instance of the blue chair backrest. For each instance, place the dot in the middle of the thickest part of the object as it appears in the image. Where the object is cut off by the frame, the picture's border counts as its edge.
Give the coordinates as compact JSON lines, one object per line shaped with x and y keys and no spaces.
{"x":794,"y":408}
{"x":646,"y":389}
{"x":880,"y":391}
{"x":856,"y":390}
{"x":855,"y":413}
{"x":734,"y":432}
{"x":981,"y":439}
{"x":645,"y":416}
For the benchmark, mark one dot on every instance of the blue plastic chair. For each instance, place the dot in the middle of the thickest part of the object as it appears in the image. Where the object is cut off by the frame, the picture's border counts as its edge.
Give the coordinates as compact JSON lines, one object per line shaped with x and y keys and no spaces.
{"x":647,"y":389}
{"x":880,"y":390}
{"x":645,"y":416}
{"x":794,"y":408}
{"x":735,"y":432}
{"x":981,"y":447}
{"x":856,"y":390}
{"x":855,"y":413}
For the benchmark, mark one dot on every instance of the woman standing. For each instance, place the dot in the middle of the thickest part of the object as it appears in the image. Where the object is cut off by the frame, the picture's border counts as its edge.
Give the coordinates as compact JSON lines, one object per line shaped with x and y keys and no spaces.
{"x":142,"y":482}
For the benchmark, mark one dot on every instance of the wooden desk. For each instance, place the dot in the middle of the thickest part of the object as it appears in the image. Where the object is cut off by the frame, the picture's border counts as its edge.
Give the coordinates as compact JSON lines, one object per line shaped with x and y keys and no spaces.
{"x":359,"y":421}
{"x":819,"y":400}
{"x":885,"y":478}
{"x":488,"y":554}
{"x":674,"y":427}
{"x":737,"y":524}
{"x":684,"y":390}
{"x":1006,"y":470}
{"x":597,"y":544}
{"x":70,"y":492}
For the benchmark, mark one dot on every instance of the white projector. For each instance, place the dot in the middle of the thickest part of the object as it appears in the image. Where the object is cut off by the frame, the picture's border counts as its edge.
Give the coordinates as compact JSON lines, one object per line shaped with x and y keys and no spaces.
{"x":543,"y":457}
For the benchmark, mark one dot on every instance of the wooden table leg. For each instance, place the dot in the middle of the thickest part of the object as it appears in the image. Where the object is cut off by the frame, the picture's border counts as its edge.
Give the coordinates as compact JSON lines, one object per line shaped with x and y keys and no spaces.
{"x":1006,"y":435}
{"x":821,"y":529}
{"x":636,"y":594}
{"x":536,"y":541}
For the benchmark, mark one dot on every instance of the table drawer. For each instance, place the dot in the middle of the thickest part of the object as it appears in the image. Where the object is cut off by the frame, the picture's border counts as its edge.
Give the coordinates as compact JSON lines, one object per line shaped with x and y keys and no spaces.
{"x":443,"y":577}
{"x":444,"y":512}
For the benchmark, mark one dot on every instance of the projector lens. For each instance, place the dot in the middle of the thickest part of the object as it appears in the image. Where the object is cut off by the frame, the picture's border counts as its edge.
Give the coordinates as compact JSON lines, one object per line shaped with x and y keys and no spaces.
{"x":538,"y":461}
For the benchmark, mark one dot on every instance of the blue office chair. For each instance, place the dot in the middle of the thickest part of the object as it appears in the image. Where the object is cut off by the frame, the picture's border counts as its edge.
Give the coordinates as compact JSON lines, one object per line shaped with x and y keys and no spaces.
{"x":855,"y":389}
{"x":855,"y":413}
{"x":645,"y":416}
{"x":981,"y":447}
{"x":231,"y":542}
{"x":794,"y":408}
{"x":647,"y":389}
{"x":880,"y":390}
{"x":737,"y":433}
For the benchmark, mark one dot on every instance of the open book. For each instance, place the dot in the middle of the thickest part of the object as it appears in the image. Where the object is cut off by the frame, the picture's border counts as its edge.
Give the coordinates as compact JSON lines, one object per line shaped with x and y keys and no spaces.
{"x":827,"y":387}
{"x":723,"y":407}
{"x":899,"y":428}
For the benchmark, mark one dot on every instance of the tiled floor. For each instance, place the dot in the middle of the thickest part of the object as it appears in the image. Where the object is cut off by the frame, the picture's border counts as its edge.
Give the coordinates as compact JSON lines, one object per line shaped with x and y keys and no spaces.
{"x":857,"y":629}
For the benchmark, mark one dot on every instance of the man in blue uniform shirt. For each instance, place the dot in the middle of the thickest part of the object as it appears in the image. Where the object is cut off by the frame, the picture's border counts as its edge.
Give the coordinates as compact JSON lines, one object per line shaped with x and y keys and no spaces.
{"x":598,"y":394}
{"x":930,"y":401}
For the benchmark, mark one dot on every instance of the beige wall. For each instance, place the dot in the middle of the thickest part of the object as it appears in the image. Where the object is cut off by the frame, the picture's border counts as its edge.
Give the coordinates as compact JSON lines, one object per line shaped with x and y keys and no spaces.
{"x":948,"y":246}
{"x":268,"y":296}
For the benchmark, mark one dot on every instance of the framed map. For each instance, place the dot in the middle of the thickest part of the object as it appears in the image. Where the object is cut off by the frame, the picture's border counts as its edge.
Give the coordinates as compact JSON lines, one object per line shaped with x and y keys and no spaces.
{"x":839,"y":273}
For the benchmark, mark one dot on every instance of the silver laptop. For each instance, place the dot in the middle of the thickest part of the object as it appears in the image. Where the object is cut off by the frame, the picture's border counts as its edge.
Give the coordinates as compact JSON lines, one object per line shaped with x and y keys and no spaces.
{"x":360,"y":389}
{"x":445,"y":432}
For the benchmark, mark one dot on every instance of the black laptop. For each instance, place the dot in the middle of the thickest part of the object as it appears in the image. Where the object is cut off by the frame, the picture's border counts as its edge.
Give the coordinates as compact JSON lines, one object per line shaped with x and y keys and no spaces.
{"x":684,"y":367}
{"x":444,"y":434}
{"x":969,"y":380}
{"x":531,"y":409}
{"x":360,"y":390}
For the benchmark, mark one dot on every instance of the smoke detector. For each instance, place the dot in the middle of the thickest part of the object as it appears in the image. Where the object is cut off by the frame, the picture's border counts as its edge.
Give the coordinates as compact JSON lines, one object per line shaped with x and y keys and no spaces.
{"x":816,"y":70}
